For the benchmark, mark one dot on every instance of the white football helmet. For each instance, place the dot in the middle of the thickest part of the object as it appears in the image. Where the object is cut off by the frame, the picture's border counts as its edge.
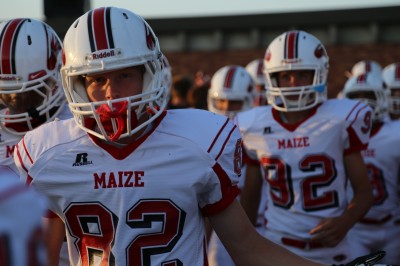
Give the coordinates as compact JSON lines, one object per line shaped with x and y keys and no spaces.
{"x":366,"y":66}
{"x":166,"y":75}
{"x":106,"y":39}
{"x":231,"y":83}
{"x":30,"y":82}
{"x":391,"y":77}
{"x":358,"y":87}
{"x":256,"y":70}
{"x":296,"y":50}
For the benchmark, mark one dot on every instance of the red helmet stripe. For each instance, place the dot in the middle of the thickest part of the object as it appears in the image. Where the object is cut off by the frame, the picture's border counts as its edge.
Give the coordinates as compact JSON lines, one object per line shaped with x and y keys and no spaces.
{"x":368,"y":66}
{"x":362,"y":78}
{"x":100,"y":34}
{"x":260,"y":68}
{"x":291,"y":45}
{"x":229,"y":77}
{"x":397,"y":72}
{"x":7,"y":46}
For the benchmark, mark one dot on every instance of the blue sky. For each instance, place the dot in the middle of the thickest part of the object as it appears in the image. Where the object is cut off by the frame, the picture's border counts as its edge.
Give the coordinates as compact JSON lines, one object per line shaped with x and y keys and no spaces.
{"x":185,"y":8}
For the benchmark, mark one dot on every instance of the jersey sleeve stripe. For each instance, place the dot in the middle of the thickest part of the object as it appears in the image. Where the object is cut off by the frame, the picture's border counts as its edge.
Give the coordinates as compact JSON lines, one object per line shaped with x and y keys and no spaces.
{"x":355,"y":108}
{"x":26,"y":151}
{"x":20,"y":159}
{"x":358,"y":112}
{"x":216,"y":137}
{"x":223,"y":146}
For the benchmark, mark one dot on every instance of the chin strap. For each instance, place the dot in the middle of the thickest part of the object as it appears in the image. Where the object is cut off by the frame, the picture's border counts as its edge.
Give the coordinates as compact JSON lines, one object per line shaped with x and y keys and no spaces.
{"x":118,"y":113}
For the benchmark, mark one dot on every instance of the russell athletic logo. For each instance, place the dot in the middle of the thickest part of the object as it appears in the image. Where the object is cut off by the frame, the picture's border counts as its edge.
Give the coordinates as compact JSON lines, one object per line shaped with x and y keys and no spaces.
{"x":81,"y":159}
{"x":103,"y":54}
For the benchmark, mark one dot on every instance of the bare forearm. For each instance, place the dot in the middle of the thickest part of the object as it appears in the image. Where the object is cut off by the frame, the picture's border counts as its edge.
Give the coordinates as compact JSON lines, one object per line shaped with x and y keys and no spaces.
{"x":54,"y":237}
{"x":359,"y":206}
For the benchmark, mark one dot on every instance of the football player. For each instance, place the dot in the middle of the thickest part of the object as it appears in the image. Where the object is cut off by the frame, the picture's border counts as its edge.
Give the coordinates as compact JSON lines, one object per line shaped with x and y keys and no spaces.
{"x":30,"y":85}
{"x":232,"y":91}
{"x":391,"y":77}
{"x":129,"y":182}
{"x":383,"y":162}
{"x":21,"y":232}
{"x":362,"y":67}
{"x":309,"y":147}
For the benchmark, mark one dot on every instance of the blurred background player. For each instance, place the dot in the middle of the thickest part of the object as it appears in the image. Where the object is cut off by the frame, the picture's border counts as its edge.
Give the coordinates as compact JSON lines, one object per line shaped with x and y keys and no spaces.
{"x":232,"y":90}
{"x":383,"y":162}
{"x":30,"y":84}
{"x":362,"y":67}
{"x":365,"y":67}
{"x":256,"y":70}
{"x":309,"y":148}
{"x":391,"y":77}
{"x":21,"y":211}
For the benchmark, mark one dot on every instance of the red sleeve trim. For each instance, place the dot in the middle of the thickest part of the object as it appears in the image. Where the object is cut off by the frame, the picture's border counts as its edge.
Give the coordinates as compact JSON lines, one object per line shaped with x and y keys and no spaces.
{"x":226,"y":141}
{"x":355,"y":143}
{"x":229,"y":193}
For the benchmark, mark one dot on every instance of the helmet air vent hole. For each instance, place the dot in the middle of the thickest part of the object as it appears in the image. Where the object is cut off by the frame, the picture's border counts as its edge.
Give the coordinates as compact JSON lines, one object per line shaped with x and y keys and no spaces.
{"x":125,"y":15}
{"x":29,"y":40}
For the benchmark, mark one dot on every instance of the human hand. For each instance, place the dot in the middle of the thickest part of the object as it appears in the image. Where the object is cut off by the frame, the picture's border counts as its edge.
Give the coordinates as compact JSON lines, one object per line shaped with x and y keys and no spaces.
{"x":329,"y":232}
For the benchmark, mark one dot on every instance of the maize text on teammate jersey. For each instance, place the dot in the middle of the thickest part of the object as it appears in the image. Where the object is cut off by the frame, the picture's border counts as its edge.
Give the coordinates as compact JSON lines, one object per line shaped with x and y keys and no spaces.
{"x":297,"y":142}
{"x":119,"y":179}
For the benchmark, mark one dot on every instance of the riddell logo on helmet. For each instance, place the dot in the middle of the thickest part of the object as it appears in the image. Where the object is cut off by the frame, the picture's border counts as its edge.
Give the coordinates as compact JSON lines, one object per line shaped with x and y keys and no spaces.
{"x":9,"y":77}
{"x":104,"y":54}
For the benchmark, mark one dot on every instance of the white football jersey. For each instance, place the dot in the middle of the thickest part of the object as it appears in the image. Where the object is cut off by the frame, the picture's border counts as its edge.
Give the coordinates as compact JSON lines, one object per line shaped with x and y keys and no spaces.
{"x":383,"y":162}
{"x":303,"y":163}
{"x":143,"y":204}
{"x":8,"y":141}
{"x":21,"y":210}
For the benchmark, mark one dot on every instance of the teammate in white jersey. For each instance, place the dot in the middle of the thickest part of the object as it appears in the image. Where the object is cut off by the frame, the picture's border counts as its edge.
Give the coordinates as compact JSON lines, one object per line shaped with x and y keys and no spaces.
{"x":391,"y":77}
{"x":30,"y":84}
{"x":232,"y":90}
{"x":21,"y":210}
{"x":128,"y":181}
{"x":378,"y":229}
{"x":308,"y":147}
